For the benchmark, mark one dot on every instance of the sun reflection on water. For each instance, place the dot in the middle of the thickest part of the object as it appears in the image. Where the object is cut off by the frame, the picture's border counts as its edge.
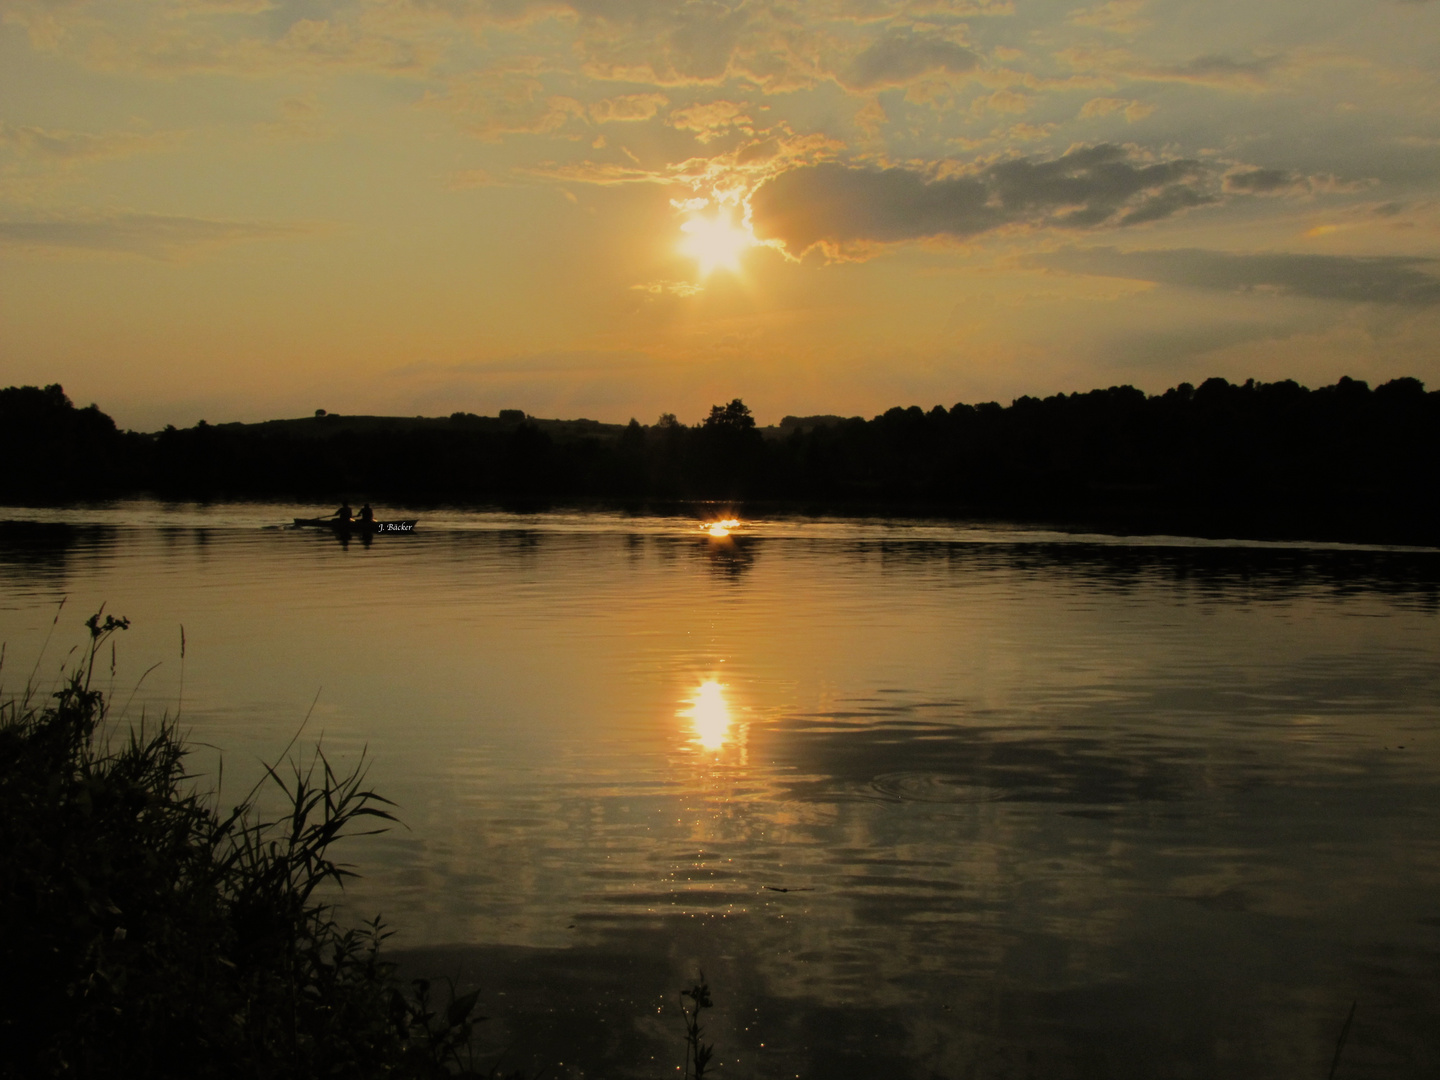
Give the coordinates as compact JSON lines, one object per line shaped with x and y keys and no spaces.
{"x":720,"y":528}
{"x":710,"y":715}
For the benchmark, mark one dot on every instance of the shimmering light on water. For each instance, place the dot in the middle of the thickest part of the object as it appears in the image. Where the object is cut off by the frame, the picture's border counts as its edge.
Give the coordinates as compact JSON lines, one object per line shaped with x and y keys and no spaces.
{"x":710,"y":715}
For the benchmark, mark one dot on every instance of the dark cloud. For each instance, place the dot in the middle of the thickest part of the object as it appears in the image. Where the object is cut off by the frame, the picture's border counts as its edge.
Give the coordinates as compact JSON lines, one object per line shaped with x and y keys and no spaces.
{"x":1249,"y":180}
{"x":1085,"y":188}
{"x":899,"y":59}
{"x":1217,"y":70}
{"x":1261,"y":181}
{"x":833,"y":203}
{"x":1384,"y":279}
{"x":1163,"y":204}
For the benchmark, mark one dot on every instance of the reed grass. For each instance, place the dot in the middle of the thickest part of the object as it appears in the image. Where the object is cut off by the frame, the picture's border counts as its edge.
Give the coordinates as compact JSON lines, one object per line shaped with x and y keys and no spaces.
{"x":144,"y":932}
{"x":697,"y":1052}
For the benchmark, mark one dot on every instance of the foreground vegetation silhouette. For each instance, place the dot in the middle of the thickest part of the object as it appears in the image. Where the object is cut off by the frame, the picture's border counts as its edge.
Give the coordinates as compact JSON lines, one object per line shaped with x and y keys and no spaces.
{"x":1340,"y":462}
{"x":149,"y":934}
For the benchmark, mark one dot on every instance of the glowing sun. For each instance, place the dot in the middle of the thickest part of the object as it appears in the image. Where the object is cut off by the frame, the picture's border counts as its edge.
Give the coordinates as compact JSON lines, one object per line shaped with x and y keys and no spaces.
{"x":716,"y":242}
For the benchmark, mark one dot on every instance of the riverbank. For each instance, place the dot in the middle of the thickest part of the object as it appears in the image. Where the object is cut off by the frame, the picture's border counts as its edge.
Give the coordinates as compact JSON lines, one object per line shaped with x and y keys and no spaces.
{"x":153,"y":932}
{"x":1252,"y":460}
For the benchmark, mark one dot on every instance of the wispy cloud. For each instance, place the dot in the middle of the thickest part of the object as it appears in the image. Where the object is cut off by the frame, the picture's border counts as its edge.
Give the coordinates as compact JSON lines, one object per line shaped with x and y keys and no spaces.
{"x":1217,"y":70}
{"x":710,"y":119}
{"x":465,"y":179}
{"x":604,"y":174}
{"x":673,"y":288}
{"x":573,"y":360}
{"x":58,"y":145}
{"x":1117,"y":16}
{"x":1383,"y":279}
{"x":1104,"y":106}
{"x":153,"y":235}
{"x":627,"y":108}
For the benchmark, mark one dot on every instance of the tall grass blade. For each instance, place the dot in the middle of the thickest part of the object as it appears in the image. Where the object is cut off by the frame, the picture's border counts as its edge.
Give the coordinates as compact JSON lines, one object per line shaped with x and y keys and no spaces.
{"x":1344,"y":1034}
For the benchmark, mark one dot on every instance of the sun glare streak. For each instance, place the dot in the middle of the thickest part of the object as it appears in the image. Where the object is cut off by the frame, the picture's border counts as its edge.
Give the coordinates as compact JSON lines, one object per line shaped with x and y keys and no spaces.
{"x":716,"y":242}
{"x":710,"y":715}
{"x":720,"y":528}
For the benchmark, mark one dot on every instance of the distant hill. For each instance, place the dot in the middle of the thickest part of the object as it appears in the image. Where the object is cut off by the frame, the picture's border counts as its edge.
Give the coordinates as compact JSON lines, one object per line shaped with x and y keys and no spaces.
{"x":805,"y":424}
{"x":327,"y":425}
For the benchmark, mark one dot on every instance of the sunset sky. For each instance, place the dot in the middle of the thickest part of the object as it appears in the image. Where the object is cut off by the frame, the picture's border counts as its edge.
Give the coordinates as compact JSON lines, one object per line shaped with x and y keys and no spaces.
{"x":242,"y":209}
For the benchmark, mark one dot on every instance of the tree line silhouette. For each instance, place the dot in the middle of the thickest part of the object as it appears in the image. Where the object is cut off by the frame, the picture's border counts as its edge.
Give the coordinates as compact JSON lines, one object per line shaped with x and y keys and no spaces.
{"x":1343,"y":461}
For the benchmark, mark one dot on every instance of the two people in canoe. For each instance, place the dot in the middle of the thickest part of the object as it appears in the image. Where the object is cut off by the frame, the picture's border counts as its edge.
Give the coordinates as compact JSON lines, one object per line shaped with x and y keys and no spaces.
{"x":344,"y":516}
{"x":344,"y":521}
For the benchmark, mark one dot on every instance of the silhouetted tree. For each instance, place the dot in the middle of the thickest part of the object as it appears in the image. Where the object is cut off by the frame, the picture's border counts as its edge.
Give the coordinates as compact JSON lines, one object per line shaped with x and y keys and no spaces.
{"x":53,"y":450}
{"x":735,"y":415}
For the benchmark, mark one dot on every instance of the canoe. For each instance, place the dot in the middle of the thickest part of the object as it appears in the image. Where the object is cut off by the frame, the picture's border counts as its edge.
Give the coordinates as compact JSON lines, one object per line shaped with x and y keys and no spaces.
{"x":356,"y":525}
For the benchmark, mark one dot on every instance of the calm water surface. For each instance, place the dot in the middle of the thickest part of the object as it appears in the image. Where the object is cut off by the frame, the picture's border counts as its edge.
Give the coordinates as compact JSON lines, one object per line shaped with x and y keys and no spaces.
{"x":922,"y":800}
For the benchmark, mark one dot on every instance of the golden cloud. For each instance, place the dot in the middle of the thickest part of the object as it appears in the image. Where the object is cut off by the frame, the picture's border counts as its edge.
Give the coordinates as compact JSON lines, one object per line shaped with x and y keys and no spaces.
{"x":711,"y":119}
{"x":627,"y":107}
{"x":1104,"y":106}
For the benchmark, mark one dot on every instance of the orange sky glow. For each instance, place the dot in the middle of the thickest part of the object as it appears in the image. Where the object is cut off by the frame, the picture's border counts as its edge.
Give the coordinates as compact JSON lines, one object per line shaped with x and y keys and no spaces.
{"x":243,"y":209}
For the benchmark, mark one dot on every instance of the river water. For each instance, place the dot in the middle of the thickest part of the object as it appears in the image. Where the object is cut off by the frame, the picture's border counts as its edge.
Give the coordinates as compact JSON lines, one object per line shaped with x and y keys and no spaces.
{"x":921,"y":799}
